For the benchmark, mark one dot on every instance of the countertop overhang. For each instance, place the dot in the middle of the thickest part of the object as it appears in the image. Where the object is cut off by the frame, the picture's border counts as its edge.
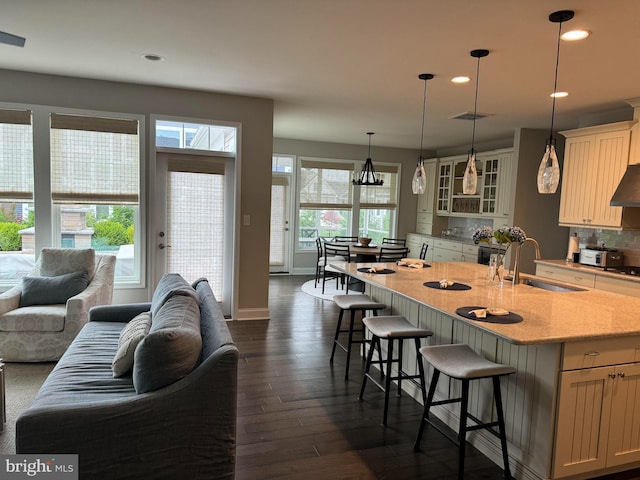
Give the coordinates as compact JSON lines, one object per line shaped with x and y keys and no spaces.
{"x":548,"y":317}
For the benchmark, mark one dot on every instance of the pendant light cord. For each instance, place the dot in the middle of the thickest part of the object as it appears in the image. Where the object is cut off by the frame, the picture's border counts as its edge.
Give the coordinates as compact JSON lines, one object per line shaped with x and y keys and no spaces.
{"x":555,"y":84}
{"x":475,"y":107}
{"x":424,"y":107}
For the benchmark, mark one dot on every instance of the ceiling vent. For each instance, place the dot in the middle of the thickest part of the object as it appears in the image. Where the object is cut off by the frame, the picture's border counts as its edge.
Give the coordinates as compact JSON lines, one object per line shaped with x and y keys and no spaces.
{"x":470,"y":116}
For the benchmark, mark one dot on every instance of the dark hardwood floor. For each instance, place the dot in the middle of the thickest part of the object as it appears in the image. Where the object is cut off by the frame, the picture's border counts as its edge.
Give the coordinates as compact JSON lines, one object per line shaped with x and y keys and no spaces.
{"x":299,"y":419}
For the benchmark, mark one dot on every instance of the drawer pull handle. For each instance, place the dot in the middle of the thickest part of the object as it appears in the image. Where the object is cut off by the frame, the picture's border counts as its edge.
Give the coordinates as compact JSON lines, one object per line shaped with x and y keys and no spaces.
{"x":592,"y":354}
{"x":621,"y":374}
{"x":612,"y":375}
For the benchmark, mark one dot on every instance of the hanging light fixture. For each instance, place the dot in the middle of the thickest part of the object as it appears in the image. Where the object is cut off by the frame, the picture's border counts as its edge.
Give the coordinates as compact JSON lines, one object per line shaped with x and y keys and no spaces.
{"x":419,"y":182}
{"x":470,"y":178}
{"x":549,"y":171}
{"x":368,"y":174}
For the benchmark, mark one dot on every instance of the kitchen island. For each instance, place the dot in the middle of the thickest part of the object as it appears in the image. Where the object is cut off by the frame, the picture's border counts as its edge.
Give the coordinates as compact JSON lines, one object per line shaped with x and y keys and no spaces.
{"x":573,"y":408}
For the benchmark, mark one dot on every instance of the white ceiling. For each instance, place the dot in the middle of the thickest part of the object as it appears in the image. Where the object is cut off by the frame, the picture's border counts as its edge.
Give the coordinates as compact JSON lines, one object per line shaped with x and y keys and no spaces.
{"x":339,"y":68}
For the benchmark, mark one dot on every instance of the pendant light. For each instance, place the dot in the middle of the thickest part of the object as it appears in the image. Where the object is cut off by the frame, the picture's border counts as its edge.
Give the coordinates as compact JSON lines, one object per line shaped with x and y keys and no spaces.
{"x":368,"y":174}
{"x":549,"y":171}
{"x":470,"y":178}
{"x":419,"y":182}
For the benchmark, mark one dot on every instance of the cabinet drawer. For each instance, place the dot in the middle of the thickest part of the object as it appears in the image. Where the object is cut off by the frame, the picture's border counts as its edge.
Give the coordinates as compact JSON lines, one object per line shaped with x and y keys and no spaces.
{"x":625,"y":287}
{"x":470,"y":249}
{"x":566,"y":275}
{"x":447,"y":245}
{"x":601,"y":352}
{"x":444,"y":255}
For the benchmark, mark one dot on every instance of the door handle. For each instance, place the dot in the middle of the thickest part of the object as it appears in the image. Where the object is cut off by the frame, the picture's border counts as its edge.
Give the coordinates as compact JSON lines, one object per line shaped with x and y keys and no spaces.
{"x":163,"y":246}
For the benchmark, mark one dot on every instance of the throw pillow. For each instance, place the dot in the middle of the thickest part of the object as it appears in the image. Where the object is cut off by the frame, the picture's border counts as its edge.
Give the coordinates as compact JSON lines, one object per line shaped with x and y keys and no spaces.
{"x":172,"y":348}
{"x":130,"y":336}
{"x":169,"y":285}
{"x":52,"y":290}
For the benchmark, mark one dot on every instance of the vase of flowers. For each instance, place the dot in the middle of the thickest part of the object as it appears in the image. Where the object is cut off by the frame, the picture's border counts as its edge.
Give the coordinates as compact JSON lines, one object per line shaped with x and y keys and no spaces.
{"x":501,"y":239}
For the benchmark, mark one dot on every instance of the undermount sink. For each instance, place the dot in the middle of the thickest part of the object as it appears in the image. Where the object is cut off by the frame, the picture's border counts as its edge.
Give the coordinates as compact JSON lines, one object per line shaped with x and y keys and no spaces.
{"x":554,"y":287}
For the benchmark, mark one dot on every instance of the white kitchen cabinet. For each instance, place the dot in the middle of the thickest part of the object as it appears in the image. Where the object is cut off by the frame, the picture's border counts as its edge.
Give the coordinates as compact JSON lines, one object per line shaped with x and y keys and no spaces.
{"x":568,"y":275}
{"x":425,"y":219}
{"x":447,"y":251}
{"x":506,"y":185}
{"x":594,"y":161}
{"x":469,"y":253}
{"x":445,"y":178}
{"x":415,"y":241}
{"x":598,"y":419}
{"x":618,"y":285}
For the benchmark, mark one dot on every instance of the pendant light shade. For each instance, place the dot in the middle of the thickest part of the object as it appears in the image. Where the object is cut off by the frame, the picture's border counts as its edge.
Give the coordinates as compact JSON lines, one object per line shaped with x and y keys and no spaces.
{"x":470,"y":178}
{"x":368,"y":175}
{"x":419,"y":182}
{"x":549,"y":171}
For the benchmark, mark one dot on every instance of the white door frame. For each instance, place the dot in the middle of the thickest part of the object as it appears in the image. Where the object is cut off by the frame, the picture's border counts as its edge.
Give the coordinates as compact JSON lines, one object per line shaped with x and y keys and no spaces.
{"x":288,"y":178}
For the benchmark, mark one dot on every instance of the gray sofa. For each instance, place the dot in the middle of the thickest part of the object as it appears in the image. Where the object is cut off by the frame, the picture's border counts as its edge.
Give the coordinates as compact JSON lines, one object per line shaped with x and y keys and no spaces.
{"x":144,"y":424}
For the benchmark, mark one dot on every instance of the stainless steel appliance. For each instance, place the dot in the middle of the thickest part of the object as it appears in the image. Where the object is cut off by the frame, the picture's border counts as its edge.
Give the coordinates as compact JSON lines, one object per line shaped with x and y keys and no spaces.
{"x":601,"y":257}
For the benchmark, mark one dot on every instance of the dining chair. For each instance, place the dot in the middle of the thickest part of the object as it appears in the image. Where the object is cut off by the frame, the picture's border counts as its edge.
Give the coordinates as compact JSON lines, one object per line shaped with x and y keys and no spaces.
{"x":334,"y":252}
{"x":320,"y":261}
{"x":395,"y":241}
{"x":423,"y":251}
{"x":345,"y":239}
{"x":392,"y":254}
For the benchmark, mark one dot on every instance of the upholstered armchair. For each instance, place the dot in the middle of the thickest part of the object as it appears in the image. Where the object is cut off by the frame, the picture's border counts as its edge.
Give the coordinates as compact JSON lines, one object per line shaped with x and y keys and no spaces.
{"x":41,"y":316}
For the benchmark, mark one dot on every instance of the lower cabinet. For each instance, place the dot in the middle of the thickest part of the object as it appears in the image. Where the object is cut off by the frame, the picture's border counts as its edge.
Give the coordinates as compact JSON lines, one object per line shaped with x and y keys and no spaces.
{"x":598,"y":417}
{"x":566,"y":275}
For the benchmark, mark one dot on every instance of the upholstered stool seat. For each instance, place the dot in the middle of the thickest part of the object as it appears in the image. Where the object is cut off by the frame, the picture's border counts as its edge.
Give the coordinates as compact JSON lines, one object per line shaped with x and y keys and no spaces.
{"x":352,"y":303}
{"x":459,"y":361}
{"x":392,"y":328}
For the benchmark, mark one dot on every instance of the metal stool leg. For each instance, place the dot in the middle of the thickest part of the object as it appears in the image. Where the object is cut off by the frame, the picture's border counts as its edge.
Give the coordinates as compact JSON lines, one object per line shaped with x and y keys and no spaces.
{"x":387,"y":384}
{"x":335,"y":338}
{"x":399,"y":367}
{"x":462,"y":431}
{"x":374,"y":340}
{"x":427,"y":406}
{"x":503,"y":437}
{"x":351,"y":322}
{"x":421,"y":372}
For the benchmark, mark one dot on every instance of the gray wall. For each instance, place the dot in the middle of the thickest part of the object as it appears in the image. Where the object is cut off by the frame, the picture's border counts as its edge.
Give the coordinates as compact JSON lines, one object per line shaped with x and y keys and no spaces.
{"x":255,"y":147}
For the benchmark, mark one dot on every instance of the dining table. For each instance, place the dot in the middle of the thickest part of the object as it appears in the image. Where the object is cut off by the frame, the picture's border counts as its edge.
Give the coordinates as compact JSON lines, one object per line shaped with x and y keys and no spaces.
{"x":367,"y":253}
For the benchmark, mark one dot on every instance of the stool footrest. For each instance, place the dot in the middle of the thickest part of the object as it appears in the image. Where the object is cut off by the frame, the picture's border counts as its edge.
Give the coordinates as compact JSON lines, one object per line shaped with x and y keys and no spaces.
{"x":410,"y":378}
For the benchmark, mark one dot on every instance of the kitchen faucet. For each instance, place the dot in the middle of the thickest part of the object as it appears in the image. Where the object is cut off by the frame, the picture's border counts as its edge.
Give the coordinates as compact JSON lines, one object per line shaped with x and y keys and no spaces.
{"x":516,"y":266}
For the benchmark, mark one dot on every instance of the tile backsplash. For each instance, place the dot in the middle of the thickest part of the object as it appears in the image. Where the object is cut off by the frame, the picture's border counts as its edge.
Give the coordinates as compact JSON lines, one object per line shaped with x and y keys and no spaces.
{"x":628,"y":242}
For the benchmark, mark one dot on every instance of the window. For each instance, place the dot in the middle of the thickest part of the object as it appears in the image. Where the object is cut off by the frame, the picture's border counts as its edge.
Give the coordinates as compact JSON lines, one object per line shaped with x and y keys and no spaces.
{"x":16,"y":195}
{"x":329,"y":202}
{"x":95,"y":169}
{"x":215,"y":138}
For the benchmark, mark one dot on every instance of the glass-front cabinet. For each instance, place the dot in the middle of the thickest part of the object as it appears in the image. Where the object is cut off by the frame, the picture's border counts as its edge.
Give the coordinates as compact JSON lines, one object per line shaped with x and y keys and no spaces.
{"x":493,"y":195}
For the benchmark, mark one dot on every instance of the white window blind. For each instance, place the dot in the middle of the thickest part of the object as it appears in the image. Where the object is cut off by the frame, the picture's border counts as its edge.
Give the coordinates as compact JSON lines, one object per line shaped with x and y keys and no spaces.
{"x":381,"y":196}
{"x":94,"y":160}
{"x":325,"y":185}
{"x":278,"y":220}
{"x":16,"y":155}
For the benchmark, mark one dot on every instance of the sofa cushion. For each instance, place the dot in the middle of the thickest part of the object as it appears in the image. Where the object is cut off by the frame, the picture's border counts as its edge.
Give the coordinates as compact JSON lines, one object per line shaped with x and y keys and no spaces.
{"x":172,"y":348}
{"x":169,"y":285}
{"x":130,"y":336}
{"x":58,"y":261}
{"x":52,"y":290}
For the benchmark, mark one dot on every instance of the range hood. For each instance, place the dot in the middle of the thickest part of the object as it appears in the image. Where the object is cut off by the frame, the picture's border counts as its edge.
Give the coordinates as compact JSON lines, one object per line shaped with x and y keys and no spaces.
{"x":628,"y":192}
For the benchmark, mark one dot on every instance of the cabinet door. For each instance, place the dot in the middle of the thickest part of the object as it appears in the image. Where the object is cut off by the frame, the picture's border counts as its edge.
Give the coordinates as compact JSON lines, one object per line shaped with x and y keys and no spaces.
{"x":490,"y":176}
{"x":611,"y":159}
{"x":444,"y":187}
{"x":506,"y":184}
{"x":624,"y":435}
{"x":582,"y":427}
{"x":426,"y":201}
{"x":578,"y":177}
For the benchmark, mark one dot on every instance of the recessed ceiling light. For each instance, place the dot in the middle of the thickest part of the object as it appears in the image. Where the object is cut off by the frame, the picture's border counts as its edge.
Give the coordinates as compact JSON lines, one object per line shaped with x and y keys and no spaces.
{"x":573,"y":35}
{"x":559,"y":94}
{"x":152,"y":57}
{"x":461,"y":79}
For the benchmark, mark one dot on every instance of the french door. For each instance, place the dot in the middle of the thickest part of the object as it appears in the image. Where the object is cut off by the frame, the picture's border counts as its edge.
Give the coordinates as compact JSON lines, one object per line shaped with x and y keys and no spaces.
{"x":194,"y":237}
{"x":280,"y":224}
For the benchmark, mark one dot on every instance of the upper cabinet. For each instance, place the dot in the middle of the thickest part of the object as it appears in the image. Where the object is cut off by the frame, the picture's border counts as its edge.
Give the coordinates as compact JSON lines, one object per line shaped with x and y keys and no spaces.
{"x":426,"y":220}
{"x":493,"y":195}
{"x":595,"y":160}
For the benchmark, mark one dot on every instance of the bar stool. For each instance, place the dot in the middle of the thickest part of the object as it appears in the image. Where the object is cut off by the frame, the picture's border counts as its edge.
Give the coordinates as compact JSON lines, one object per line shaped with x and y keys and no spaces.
{"x":459,"y":361}
{"x":352,"y":303}
{"x":393,"y":328}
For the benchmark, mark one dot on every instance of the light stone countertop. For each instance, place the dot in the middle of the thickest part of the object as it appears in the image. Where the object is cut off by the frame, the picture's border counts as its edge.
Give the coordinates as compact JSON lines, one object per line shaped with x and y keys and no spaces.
{"x":548,"y":317}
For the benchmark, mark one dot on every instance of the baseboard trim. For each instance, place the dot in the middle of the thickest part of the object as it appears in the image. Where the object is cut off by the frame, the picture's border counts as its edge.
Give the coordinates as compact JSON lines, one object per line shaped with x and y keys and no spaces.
{"x":253,"y":314}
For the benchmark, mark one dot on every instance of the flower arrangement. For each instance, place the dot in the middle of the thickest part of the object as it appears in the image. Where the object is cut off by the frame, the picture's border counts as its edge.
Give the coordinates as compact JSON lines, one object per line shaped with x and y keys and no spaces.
{"x":504,"y":237}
